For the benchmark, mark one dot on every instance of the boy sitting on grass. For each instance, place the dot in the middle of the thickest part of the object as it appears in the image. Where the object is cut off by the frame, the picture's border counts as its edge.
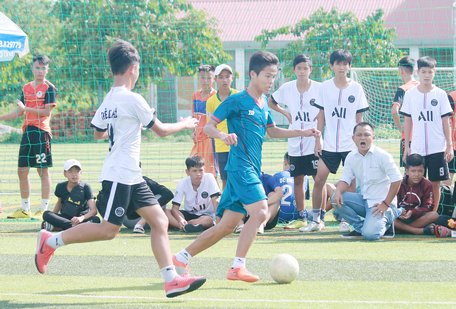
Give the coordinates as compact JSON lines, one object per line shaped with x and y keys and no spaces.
{"x":75,"y":202}
{"x":201,"y":196}
{"x":415,"y":196}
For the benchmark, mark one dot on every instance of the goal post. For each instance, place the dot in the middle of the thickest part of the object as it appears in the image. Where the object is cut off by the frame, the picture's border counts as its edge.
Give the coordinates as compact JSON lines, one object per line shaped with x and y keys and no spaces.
{"x":380,"y":85}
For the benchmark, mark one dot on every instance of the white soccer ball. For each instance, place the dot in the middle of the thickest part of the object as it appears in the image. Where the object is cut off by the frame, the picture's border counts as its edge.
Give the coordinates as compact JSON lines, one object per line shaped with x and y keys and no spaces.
{"x":284,"y":268}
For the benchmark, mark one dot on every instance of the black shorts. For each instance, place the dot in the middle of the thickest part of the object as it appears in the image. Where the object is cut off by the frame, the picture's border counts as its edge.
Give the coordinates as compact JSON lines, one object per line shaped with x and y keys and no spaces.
{"x":222,"y":159}
{"x":436,"y":166}
{"x":304,"y":165}
{"x":401,"y":152}
{"x":452,"y":164}
{"x":116,"y":200}
{"x":332,"y":159}
{"x":189,"y":216}
{"x":35,"y":148}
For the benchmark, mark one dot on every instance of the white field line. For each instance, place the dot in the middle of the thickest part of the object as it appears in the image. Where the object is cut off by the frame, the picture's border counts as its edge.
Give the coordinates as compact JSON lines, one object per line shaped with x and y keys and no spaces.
{"x":238,"y":300}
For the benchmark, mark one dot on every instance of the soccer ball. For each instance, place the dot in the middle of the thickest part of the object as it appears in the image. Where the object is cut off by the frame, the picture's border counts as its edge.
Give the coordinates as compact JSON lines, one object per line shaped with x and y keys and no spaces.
{"x":284,"y":268}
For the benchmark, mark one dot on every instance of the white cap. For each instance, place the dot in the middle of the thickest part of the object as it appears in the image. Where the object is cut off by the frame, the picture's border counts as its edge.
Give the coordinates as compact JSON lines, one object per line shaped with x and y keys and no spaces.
{"x":222,"y":67}
{"x":70,"y":163}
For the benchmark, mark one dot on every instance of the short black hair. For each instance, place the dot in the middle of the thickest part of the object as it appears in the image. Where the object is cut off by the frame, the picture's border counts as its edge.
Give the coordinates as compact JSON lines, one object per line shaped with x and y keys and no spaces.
{"x":302,"y":58}
{"x":362,"y":124}
{"x":407,"y":63}
{"x":286,"y":157}
{"x":194,"y":161}
{"x":426,"y":62}
{"x":121,"y":56}
{"x":340,"y":55}
{"x":260,"y":60}
{"x":414,"y":160}
{"x":41,"y":59}
{"x":206,"y":68}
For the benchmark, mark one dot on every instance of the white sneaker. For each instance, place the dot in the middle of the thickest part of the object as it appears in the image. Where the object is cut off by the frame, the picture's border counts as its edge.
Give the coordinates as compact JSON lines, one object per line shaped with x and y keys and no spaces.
{"x":344,"y":227}
{"x":313,"y":227}
{"x":261,"y":229}
{"x":138,"y":229}
{"x":238,"y":229}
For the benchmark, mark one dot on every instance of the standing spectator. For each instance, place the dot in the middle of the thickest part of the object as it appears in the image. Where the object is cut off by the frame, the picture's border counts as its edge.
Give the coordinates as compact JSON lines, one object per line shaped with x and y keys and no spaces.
{"x":202,"y":144}
{"x":427,"y":112}
{"x":301,"y":96}
{"x":406,"y":66}
{"x":36,"y":103}
{"x":223,"y":79}
{"x":342,"y":103}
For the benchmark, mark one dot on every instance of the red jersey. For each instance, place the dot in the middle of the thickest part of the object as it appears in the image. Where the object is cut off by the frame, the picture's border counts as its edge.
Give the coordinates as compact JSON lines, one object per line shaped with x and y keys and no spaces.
{"x":37,"y":98}
{"x":199,"y":112}
{"x":417,"y":198}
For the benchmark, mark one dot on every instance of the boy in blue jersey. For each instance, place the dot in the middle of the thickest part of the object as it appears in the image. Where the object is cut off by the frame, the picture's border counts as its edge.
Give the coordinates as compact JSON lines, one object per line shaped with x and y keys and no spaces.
{"x":248,"y":119}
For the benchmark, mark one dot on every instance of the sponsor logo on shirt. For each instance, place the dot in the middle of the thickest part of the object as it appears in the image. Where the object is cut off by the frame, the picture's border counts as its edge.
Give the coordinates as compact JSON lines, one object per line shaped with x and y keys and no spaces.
{"x":426,"y":116}
{"x":109,"y":113}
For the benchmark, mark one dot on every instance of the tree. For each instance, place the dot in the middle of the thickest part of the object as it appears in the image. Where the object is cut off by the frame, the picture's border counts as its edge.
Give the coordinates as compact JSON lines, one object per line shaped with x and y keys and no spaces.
{"x":170,"y":36}
{"x":325,"y":31}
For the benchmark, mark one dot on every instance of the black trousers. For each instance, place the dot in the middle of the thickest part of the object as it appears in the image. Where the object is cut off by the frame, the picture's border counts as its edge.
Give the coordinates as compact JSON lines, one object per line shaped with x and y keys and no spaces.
{"x":62,"y":221}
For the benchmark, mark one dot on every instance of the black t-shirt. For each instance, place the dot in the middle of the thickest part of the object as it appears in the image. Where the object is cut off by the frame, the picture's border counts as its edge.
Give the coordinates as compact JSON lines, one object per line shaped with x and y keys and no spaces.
{"x":74,"y":203}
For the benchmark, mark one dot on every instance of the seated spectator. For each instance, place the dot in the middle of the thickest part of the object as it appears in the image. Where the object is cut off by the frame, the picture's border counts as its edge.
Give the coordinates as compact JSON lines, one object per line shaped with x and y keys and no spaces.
{"x":416,"y":199}
{"x":201,"y":195}
{"x":163,"y":195}
{"x":75,"y":202}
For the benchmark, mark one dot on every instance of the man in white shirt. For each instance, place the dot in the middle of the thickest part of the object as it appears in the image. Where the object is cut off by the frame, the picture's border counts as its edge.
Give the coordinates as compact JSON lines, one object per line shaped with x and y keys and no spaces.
{"x":373,"y":210}
{"x":121,"y":117}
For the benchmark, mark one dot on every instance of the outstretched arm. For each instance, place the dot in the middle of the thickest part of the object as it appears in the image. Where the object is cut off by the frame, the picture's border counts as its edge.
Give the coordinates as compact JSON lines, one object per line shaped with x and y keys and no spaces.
{"x":165,"y":129}
{"x":276,"y":132}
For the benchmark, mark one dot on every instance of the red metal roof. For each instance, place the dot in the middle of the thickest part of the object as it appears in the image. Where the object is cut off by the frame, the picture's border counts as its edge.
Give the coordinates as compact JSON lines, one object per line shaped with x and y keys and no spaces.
{"x":416,"y":21}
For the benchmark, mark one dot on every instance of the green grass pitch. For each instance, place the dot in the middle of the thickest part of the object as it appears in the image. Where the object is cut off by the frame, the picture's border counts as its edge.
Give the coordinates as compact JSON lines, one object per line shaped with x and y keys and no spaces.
{"x":405,"y":272}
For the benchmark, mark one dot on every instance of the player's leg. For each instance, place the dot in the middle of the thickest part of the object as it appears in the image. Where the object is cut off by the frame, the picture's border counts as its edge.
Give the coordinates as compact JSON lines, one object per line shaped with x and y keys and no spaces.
{"x":437,"y":170}
{"x":222,"y":159}
{"x":318,"y":196}
{"x":158,"y":223}
{"x":45,"y":187}
{"x":212,"y":235}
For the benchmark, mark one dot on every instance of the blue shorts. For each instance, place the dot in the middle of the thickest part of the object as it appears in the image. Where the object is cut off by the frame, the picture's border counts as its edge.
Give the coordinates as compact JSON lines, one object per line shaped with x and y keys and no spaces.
{"x":242,"y":188}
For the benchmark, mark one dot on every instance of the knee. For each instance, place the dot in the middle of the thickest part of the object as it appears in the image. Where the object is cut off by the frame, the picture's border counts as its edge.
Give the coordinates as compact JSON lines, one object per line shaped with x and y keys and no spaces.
{"x":109,"y":232}
{"x":159,"y":223}
{"x":46,"y":215}
{"x":371,"y":233}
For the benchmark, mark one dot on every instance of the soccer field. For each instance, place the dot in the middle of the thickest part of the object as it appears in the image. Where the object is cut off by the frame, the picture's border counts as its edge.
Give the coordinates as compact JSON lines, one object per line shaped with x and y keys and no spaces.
{"x":404,"y":272}
{"x":335,"y":273}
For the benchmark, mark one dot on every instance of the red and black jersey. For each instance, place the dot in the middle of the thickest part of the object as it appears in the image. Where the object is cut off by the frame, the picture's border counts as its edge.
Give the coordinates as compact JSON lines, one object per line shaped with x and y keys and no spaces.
{"x":37,"y":98}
